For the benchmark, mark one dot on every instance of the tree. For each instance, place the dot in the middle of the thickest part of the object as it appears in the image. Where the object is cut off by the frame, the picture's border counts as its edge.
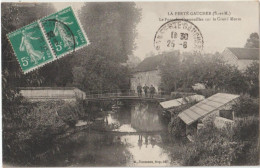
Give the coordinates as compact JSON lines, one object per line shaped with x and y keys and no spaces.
{"x":208,"y":69}
{"x":252,"y":41}
{"x":15,"y":17}
{"x":111,"y":30}
{"x":252,"y":78}
{"x":133,"y":61}
{"x":59,"y":72}
{"x":171,"y":72}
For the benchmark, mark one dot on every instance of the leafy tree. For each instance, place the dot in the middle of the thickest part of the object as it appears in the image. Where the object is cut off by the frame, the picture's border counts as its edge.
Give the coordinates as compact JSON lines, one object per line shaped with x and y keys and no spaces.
{"x":252,"y":78}
{"x":171,"y":71}
{"x":246,"y":106}
{"x":16,"y":121}
{"x":15,"y":17}
{"x":252,"y":41}
{"x":111,"y":30}
{"x":133,"y":61}
{"x":187,"y":69}
{"x":101,"y":74}
{"x":58,"y":73}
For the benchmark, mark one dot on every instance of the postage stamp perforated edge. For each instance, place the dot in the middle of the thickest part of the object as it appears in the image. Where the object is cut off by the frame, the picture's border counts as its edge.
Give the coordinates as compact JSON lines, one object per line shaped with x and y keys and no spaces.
{"x":37,"y":66}
{"x":7,"y":35}
{"x":48,"y":43}
{"x":81,"y":28}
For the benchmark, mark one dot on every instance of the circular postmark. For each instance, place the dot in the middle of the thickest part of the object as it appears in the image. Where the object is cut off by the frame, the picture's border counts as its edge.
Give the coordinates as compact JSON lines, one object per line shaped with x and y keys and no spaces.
{"x":60,"y":34}
{"x":178,"y":34}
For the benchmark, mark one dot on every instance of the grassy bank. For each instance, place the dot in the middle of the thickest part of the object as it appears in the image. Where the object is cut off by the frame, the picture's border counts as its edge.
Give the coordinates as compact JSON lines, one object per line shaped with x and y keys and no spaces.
{"x":29,"y":129}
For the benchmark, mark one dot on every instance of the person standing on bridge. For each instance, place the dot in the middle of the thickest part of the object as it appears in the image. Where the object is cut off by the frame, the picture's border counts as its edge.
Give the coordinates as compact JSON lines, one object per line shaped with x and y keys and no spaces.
{"x":152,"y":91}
{"x":146,"y":88}
{"x":139,"y":90}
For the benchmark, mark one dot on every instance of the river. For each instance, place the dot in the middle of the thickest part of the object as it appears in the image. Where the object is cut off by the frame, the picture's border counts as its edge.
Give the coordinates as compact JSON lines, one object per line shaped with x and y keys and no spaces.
{"x":132,"y":135}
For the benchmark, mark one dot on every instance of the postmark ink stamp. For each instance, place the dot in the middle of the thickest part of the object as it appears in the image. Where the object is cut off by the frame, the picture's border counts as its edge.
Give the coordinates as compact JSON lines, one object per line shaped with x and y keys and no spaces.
{"x":178,"y":34}
{"x":47,"y":39}
{"x":30,"y":47}
{"x":64,"y":32}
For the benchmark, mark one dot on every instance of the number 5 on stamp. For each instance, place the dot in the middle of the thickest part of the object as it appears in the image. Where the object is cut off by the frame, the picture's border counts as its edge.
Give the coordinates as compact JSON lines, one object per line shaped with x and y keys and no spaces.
{"x":48,"y":39}
{"x":30,"y":47}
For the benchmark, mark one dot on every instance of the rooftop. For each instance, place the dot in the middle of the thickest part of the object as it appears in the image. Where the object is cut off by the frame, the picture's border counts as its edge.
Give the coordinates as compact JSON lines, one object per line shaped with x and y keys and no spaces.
{"x":246,"y":53}
{"x":206,"y":106}
{"x":47,"y":88}
{"x":181,"y":101}
{"x":152,"y":63}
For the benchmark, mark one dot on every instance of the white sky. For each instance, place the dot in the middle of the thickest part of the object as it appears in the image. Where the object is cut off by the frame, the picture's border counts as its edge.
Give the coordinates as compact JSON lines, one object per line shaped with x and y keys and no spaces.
{"x":217,"y":35}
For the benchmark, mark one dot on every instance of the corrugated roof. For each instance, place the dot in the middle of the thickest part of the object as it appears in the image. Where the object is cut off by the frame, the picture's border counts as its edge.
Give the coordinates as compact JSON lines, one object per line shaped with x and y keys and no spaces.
{"x":246,"y":53}
{"x":181,"y":101}
{"x":206,"y":106}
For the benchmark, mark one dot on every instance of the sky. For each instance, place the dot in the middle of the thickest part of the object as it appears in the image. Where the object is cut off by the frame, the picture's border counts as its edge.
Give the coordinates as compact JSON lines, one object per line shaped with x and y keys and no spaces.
{"x":217,"y":35}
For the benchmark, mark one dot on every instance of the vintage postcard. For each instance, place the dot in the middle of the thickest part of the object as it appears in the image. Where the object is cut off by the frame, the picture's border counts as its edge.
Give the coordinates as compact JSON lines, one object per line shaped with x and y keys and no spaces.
{"x":130,"y":84}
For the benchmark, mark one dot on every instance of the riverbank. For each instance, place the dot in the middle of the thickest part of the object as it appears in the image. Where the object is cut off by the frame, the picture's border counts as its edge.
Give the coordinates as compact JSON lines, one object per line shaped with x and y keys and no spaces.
{"x":30,"y":137}
{"x":106,"y":138}
{"x":70,"y":134}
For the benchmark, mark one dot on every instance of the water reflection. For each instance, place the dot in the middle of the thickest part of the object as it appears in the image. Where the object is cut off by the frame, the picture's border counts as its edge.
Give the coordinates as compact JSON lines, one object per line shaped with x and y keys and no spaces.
{"x":144,"y":117}
{"x":140,"y":117}
{"x":137,"y":139}
{"x":146,"y":150}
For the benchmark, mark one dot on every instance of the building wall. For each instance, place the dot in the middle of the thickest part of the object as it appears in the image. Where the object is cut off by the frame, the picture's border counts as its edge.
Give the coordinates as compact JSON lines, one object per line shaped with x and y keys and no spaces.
{"x":231,"y":59}
{"x":193,"y":128}
{"x":215,"y":113}
{"x":149,"y":78}
{"x":221,"y":122}
{"x":243,"y":64}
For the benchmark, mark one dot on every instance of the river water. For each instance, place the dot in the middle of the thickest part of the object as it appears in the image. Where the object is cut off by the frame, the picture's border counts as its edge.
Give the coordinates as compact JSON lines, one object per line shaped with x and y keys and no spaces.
{"x":133,"y":135}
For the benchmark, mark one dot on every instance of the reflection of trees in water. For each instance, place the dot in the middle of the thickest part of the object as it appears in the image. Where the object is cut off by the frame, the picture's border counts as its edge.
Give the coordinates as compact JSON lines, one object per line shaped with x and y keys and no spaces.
{"x":89,"y":149}
{"x":144,"y":117}
{"x":123,"y":115}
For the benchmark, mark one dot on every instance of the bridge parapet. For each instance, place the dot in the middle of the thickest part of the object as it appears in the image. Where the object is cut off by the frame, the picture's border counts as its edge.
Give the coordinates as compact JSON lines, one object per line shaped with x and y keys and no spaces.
{"x":125,"y":94}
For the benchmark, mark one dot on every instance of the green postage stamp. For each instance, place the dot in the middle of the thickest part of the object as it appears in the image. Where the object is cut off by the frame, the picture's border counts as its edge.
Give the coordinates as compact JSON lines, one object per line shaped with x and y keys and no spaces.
{"x":48,"y":39}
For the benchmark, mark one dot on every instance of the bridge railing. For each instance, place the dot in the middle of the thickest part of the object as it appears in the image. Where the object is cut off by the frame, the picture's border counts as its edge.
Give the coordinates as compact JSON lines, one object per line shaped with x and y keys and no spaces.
{"x":118,"y":93}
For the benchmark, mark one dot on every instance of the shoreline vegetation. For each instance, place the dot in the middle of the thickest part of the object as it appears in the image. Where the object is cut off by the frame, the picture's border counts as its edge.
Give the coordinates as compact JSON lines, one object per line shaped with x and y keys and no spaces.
{"x":35,"y":130}
{"x":32,"y":130}
{"x":234,"y":145}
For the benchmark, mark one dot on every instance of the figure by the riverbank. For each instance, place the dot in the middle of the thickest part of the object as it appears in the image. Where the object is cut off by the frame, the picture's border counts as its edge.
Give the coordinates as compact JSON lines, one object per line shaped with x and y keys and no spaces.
{"x":139,"y":90}
{"x":146,"y":88}
{"x":152,"y":91}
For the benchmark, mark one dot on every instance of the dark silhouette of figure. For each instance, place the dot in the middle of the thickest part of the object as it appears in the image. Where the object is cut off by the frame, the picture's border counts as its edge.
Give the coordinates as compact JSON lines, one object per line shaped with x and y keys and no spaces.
{"x":146,"y":140}
{"x":153,"y":142}
{"x":146,"y":88}
{"x":152,"y":91}
{"x":140,"y":141}
{"x":139,"y":90}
